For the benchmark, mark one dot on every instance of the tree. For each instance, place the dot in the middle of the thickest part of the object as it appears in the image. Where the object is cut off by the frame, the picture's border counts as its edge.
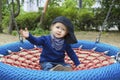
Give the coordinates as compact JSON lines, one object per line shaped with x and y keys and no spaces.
{"x":14,"y":7}
{"x":113,"y":18}
{"x":87,"y":3}
{"x":1,"y":16}
{"x":44,"y":11}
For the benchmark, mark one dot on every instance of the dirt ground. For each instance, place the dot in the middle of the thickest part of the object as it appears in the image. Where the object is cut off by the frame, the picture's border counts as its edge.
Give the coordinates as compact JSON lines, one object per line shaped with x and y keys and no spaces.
{"x":112,"y":38}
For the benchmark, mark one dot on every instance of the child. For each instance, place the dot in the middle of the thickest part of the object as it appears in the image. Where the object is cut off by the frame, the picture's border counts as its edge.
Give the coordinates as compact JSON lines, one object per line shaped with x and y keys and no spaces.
{"x":55,"y":45}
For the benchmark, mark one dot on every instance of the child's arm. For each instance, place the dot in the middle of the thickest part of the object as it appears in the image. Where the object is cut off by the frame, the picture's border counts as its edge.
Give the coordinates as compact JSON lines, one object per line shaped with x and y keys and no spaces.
{"x":72,"y":55}
{"x":34,"y":40}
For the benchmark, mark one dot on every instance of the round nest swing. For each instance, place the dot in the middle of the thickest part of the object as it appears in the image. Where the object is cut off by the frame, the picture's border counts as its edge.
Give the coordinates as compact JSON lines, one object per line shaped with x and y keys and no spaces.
{"x":20,"y":61}
{"x":23,"y":62}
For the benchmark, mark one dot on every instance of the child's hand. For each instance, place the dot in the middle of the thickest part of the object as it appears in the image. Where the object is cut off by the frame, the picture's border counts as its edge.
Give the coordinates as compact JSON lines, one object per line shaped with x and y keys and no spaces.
{"x":80,"y":66}
{"x":24,"y":33}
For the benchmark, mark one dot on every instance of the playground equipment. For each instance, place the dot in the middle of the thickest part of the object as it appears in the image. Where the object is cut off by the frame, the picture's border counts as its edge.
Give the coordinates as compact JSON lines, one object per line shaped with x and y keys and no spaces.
{"x":108,"y":72}
{"x":14,"y":66}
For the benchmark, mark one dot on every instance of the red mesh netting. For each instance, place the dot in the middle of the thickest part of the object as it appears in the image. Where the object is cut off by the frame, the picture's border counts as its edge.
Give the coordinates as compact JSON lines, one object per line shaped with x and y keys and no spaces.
{"x":30,"y":59}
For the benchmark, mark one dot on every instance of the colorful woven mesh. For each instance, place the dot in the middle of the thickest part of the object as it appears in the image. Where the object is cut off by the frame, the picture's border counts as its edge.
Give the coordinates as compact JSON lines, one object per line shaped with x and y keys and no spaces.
{"x":30,"y":59}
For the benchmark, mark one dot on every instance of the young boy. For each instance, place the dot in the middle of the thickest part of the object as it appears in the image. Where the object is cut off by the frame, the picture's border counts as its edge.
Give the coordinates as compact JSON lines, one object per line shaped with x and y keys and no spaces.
{"x":55,"y":45}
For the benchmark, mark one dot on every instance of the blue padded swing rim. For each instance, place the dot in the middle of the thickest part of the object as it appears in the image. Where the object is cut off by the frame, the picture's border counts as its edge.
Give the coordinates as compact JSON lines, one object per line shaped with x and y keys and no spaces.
{"x":110,"y":72}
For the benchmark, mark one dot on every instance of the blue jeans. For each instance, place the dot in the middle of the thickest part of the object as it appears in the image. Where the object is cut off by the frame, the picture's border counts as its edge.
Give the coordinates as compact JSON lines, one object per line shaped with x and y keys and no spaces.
{"x":48,"y":65}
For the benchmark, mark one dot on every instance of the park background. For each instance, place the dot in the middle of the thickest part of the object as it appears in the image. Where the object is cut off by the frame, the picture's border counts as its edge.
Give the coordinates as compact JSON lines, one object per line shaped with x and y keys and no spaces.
{"x":88,"y":17}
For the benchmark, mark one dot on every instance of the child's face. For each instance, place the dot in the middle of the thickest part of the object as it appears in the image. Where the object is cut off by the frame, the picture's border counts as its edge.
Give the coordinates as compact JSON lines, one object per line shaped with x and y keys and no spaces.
{"x":59,"y":30}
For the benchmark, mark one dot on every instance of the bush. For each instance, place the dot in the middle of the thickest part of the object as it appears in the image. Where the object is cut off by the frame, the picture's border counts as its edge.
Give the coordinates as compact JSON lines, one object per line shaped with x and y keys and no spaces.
{"x":23,"y":20}
{"x":68,"y":9}
{"x":81,"y":18}
{"x":84,"y":19}
{"x":50,"y":15}
{"x":27,"y":20}
{"x":39,"y":32}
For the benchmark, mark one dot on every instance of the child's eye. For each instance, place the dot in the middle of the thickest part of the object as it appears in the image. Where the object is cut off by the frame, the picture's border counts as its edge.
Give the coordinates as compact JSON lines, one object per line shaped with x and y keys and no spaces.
{"x":63,"y":29}
{"x":57,"y":27}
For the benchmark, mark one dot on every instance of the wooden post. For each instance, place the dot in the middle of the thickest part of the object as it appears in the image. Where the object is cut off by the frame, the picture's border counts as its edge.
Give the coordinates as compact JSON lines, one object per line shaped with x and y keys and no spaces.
{"x":44,"y":11}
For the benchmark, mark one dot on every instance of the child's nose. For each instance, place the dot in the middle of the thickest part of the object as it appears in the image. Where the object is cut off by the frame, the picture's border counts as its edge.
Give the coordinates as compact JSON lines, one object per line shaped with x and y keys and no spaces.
{"x":59,"y":30}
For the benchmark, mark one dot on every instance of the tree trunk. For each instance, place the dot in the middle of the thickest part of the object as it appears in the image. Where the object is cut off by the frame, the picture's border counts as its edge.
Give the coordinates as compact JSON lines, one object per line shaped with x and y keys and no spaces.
{"x":1,"y":30}
{"x":12,"y":22}
{"x":10,"y":27}
{"x":44,"y":11}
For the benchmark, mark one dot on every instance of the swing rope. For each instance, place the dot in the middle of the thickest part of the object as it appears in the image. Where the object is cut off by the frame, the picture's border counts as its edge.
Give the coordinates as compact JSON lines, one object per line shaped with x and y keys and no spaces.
{"x":20,"y":38}
{"x":103,"y":26}
{"x":105,"y":21}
